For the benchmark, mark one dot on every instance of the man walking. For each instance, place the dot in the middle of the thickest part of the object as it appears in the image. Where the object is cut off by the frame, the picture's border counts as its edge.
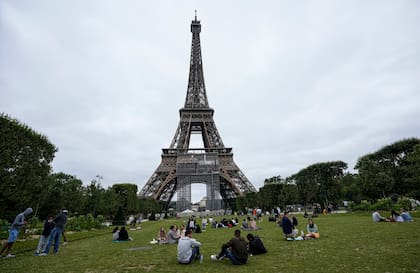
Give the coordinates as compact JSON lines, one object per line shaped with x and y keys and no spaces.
{"x":14,"y":232}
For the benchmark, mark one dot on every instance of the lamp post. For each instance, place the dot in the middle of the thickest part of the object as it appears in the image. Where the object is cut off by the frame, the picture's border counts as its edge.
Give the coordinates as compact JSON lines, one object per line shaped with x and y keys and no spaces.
{"x":99,"y":178}
{"x":96,"y":193}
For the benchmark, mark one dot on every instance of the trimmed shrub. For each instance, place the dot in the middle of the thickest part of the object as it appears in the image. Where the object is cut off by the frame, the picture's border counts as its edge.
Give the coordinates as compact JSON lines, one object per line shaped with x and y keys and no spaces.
{"x":404,"y":202}
{"x":382,"y":204}
{"x":363,"y":206}
{"x":119,"y":219}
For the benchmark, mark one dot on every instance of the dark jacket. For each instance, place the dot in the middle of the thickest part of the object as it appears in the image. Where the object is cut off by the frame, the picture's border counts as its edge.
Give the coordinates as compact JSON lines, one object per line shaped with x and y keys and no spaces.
{"x":123,"y":235}
{"x":48,"y":226}
{"x":286,"y":225}
{"x":60,"y":220}
{"x":256,"y":246}
{"x":239,"y":248}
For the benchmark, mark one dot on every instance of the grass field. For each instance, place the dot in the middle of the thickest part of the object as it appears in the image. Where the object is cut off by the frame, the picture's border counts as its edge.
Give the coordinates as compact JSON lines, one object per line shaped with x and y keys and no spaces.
{"x":348,"y":243}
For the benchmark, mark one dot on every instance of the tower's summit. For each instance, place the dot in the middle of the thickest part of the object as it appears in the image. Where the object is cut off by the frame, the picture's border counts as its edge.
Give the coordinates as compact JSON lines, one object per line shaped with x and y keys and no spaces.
{"x":196,"y":92}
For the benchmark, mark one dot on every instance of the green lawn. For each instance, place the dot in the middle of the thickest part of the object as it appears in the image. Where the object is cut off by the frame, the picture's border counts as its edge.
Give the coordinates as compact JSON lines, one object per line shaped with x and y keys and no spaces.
{"x":348,"y":243}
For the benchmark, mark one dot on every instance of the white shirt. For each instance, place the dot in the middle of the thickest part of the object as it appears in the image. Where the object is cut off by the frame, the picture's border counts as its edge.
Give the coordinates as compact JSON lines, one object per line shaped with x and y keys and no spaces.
{"x":376,"y":217}
{"x":185,"y":245}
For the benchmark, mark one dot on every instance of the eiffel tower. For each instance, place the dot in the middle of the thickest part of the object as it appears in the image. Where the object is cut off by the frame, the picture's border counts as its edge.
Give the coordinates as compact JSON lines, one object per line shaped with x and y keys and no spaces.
{"x":212,"y":165}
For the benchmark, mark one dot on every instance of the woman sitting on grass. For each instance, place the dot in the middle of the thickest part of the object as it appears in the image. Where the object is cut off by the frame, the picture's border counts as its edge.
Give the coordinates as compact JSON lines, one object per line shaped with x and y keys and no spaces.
{"x":396,"y":217}
{"x":312,"y":229}
{"x":123,"y":235}
{"x":115,"y":234}
{"x":406,"y":216}
{"x":162,"y":236}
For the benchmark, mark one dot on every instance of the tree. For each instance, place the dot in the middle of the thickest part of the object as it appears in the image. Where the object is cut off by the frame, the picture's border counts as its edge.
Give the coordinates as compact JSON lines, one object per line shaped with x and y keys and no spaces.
{"x":320,"y":181}
{"x":269,"y":195}
{"x":277,"y":192}
{"x":127,"y":197}
{"x":108,"y":202}
{"x":119,"y":218}
{"x":351,"y":189}
{"x":94,"y":194}
{"x":25,"y":158}
{"x":306,"y":184}
{"x":390,"y":170}
{"x":412,"y":170}
{"x":289,"y":194}
{"x":74,"y":195}
{"x":149,"y":205}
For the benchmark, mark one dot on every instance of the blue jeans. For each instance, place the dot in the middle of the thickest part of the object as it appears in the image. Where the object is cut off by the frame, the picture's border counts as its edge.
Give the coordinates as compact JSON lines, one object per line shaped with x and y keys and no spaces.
{"x":195,"y":253}
{"x":13,"y":235}
{"x":228,"y":253}
{"x":232,"y":257}
{"x":54,"y":236}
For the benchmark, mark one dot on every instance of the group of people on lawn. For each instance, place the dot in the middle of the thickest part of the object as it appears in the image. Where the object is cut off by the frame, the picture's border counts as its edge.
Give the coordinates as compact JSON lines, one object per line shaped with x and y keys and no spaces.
{"x":236,"y":250}
{"x":289,"y":225}
{"x":403,"y":216}
{"x":51,"y":234}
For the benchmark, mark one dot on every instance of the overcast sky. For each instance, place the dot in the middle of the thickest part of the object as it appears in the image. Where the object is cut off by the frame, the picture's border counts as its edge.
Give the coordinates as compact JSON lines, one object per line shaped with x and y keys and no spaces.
{"x":292,"y":83}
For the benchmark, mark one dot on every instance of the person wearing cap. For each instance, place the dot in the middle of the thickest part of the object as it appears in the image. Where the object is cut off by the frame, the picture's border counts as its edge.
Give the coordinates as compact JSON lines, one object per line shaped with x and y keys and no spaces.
{"x":188,"y":249}
{"x":16,"y":226}
{"x":59,"y":222}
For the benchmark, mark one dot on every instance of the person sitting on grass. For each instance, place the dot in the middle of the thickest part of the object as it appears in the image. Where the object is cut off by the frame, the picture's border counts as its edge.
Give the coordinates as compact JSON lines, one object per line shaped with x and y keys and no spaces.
{"x":376,"y":217}
{"x":235,"y":250}
{"x":287,"y":226}
{"x":294,"y":221}
{"x":245,"y":225}
{"x":252,"y":224}
{"x":406,"y":216}
{"x":255,"y":245}
{"x":162,"y":235}
{"x":115,"y":234}
{"x":312,"y":230}
{"x":396,"y":217}
{"x":188,"y":249}
{"x":123,"y":235}
{"x":172,"y":237}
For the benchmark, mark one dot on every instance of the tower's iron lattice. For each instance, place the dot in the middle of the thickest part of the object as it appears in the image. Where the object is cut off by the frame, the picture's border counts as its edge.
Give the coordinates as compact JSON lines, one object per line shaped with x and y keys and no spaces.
{"x":212,"y":165}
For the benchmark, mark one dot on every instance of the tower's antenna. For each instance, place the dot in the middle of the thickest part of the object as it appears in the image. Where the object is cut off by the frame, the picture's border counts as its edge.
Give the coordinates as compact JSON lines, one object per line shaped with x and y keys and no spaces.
{"x":195,"y":15}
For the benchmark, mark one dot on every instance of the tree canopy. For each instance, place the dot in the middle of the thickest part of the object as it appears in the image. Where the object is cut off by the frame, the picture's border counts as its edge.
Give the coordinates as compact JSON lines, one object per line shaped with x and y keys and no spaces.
{"x":392,"y":169}
{"x":24,"y":166}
